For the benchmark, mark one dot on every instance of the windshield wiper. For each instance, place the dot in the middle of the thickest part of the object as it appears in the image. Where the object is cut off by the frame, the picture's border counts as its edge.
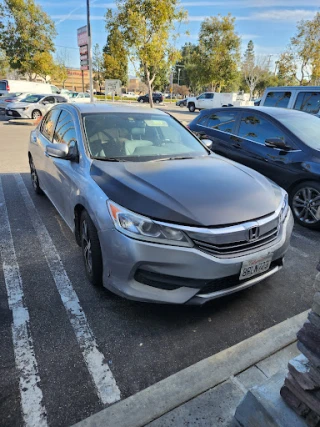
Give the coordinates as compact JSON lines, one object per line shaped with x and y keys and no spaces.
{"x":110,"y":159}
{"x":172,"y":158}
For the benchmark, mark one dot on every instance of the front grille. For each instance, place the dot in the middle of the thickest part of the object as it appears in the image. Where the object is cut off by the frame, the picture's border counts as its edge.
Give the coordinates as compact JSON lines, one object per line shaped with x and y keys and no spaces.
{"x":14,"y":114}
{"x":237,"y":248}
{"x":231,"y":281}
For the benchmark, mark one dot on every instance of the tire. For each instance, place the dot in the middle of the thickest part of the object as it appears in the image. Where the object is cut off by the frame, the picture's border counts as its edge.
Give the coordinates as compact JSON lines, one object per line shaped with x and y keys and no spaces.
{"x":34,"y":177}
{"x":305,"y":204}
{"x":192,"y":108}
{"x":141,"y":101}
{"x":36,"y":114}
{"x":91,"y":250}
{"x":157,"y":101}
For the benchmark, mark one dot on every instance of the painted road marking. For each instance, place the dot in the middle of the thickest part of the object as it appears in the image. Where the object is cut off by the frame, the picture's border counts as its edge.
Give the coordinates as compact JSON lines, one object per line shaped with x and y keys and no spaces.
{"x":33,"y":410}
{"x":101,"y":374}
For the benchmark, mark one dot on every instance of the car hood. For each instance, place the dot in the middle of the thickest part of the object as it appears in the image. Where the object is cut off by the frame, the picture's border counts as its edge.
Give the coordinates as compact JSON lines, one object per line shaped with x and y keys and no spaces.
{"x":207,"y":191}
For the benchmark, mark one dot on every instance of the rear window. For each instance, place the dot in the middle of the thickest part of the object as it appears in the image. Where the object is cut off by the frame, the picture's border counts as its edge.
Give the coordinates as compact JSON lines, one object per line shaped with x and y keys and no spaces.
{"x":277,"y":99}
{"x":309,"y":102}
{"x":3,"y":85}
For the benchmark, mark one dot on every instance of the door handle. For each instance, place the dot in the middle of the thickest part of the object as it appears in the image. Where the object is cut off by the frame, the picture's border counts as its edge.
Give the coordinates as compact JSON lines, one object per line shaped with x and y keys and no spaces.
{"x":236,"y":145}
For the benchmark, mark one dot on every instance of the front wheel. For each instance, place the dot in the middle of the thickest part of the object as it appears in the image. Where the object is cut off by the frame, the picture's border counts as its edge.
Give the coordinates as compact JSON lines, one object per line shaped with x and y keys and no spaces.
{"x":305,"y":204}
{"x":91,"y":250}
{"x":141,"y":101}
{"x":34,"y":178}
{"x":36,"y":114}
{"x":192,"y":108}
{"x":157,"y":101}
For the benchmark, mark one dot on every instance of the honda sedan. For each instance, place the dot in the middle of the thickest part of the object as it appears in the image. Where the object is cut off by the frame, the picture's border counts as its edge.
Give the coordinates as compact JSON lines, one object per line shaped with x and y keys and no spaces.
{"x":158,"y":216}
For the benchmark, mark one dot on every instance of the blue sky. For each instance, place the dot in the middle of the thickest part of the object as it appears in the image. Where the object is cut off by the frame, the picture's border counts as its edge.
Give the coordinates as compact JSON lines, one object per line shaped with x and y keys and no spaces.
{"x":269,"y":23}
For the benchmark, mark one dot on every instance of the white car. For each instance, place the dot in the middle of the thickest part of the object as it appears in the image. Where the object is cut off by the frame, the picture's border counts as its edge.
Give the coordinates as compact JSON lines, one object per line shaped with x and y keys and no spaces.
{"x":33,"y":106}
{"x":82,"y":97}
{"x":5,"y":100}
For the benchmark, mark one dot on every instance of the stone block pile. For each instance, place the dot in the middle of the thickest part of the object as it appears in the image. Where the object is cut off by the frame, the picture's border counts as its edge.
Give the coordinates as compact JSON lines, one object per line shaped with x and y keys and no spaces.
{"x":301,"y":389}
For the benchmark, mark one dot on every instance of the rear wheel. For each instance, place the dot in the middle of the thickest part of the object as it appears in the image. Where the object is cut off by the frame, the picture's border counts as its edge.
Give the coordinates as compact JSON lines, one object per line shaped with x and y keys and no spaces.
{"x":192,"y":108}
{"x":141,"y":101}
{"x":91,"y":250}
{"x":157,"y":101}
{"x":305,"y":204}
{"x":36,"y":114}
{"x":34,"y":177}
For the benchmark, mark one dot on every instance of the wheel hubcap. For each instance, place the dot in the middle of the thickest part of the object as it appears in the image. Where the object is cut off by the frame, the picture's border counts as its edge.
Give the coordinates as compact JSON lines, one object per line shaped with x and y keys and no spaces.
{"x":306,"y":205}
{"x":86,"y":244}
{"x":36,"y":115}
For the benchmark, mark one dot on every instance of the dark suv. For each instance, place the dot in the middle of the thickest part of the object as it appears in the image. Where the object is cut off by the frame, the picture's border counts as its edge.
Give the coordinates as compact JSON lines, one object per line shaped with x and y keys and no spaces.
{"x":157,"y":98}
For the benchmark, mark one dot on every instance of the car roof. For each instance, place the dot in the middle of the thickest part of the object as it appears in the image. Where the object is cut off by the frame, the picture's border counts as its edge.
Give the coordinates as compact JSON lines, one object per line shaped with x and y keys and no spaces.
{"x":107,"y":108}
{"x":308,"y":88}
{"x":271,"y":111}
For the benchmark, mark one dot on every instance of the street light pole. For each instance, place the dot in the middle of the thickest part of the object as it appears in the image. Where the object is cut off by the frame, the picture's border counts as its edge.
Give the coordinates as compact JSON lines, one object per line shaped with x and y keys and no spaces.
{"x":89,"y":51}
{"x":179,"y":69}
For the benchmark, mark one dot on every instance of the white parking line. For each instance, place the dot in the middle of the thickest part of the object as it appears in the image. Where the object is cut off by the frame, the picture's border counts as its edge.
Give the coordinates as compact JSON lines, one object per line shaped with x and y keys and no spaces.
{"x":298,"y":251}
{"x":33,"y":410}
{"x":103,"y":379}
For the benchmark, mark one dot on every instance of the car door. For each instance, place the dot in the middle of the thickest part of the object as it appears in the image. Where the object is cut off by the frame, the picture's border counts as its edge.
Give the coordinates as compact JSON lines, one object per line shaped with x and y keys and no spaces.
{"x":219,"y":126}
{"x":279,"y":165}
{"x":208,"y":100}
{"x":201,"y":99}
{"x":62,"y":173}
{"x":47,"y":103}
{"x":42,"y":138}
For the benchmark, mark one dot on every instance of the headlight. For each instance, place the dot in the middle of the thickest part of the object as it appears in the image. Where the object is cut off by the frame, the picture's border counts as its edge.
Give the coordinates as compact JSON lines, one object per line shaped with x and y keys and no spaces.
{"x":142,"y":228}
{"x":284,"y":209}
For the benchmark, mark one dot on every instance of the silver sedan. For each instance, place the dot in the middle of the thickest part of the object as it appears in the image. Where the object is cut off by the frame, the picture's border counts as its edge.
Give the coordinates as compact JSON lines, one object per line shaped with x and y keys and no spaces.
{"x":158,"y":216}
{"x":33,"y":106}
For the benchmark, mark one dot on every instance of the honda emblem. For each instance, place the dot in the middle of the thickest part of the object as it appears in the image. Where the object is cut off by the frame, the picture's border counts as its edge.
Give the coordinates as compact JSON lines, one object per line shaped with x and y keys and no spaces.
{"x":253,"y":234}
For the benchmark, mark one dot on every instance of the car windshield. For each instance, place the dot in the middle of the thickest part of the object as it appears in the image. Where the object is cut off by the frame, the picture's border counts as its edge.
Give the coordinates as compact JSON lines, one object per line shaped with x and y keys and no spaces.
{"x":305,"y":126}
{"x":73,"y":94}
{"x":139,"y":137}
{"x":32,"y":99}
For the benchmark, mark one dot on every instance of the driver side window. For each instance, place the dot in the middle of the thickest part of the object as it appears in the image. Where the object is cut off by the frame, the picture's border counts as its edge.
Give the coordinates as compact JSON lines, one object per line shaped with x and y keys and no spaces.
{"x":258,"y":129}
{"x":48,"y":124}
{"x":201,"y":96}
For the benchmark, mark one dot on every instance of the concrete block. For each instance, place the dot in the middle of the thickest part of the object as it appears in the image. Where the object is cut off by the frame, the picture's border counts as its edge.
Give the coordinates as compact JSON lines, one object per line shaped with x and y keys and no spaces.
{"x":316,"y":308}
{"x":264,"y":407}
{"x":293,"y":402}
{"x":278,"y":361}
{"x":314,"y":319}
{"x":309,"y":398}
{"x":213,"y":408}
{"x":315,"y":361}
{"x":309,"y":335}
{"x":304,"y":373}
{"x":251,"y":377}
{"x":317,"y":283}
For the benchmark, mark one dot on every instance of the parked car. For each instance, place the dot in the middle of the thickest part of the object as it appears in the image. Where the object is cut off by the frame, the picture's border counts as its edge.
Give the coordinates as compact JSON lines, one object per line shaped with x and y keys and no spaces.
{"x":158,"y":216}
{"x":82,"y":97}
{"x":157,"y":98}
{"x":303,"y":98}
{"x":283,"y":145}
{"x":33,"y":106}
{"x":215,"y":100}
{"x":129,"y":95}
{"x":182,"y":102}
{"x":8,"y":87}
{"x":13,"y":97}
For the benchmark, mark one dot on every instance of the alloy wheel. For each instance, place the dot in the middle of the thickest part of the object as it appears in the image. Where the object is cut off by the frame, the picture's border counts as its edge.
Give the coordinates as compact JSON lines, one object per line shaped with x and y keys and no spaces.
{"x":86,"y":245}
{"x":34,"y":176}
{"x":36,"y":114}
{"x":306,"y":205}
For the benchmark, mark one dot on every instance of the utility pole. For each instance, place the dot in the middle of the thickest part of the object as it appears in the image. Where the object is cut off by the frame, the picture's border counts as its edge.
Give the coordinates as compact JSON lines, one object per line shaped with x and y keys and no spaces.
{"x":179,"y":69}
{"x":89,"y":51}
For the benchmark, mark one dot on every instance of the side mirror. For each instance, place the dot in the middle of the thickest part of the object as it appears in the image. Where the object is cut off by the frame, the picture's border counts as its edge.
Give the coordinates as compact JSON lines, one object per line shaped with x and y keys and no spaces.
{"x":276,"y":143}
{"x":60,"y":151}
{"x":44,"y":102}
{"x":207,"y":143}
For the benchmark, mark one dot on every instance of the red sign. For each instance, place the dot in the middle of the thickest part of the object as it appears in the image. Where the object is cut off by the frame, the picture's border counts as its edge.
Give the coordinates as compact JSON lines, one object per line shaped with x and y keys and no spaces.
{"x":84,"y":67}
{"x":83,"y":49}
{"x":82,"y":34}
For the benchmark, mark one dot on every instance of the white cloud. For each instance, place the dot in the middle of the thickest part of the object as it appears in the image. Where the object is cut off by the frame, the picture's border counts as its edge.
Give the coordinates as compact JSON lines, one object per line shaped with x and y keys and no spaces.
{"x":279,"y":15}
{"x":77,"y":17}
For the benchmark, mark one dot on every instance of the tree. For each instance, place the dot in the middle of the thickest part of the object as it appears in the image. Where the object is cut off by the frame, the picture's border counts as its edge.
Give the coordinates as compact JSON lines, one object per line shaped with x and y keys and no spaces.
{"x":219,"y":49}
{"x":115,"y":57}
{"x":253,"y":68}
{"x":26,"y":34}
{"x":146,"y":26}
{"x":286,"y":68}
{"x":60,"y":72}
{"x":4,"y":64}
{"x":305,"y":47}
{"x":98,"y":65}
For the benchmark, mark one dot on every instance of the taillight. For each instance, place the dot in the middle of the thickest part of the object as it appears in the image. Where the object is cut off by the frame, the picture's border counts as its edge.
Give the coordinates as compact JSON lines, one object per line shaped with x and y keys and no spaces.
{"x":8,"y":100}
{"x":8,"y":88}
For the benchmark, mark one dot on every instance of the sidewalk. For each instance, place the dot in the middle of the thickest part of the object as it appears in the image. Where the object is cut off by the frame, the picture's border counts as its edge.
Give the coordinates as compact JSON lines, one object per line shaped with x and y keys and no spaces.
{"x":207,"y":393}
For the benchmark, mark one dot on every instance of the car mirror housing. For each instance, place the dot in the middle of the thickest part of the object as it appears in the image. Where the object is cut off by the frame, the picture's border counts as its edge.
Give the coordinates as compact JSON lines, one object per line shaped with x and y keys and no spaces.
{"x":207,"y":143}
{"x":276,"y":143}
{"x":60,"y":151}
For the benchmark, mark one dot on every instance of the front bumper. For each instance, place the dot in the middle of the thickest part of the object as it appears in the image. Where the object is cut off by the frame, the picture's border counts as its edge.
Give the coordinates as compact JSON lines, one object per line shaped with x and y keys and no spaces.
{"x":187,"y":272}
{"x":18,"y":114}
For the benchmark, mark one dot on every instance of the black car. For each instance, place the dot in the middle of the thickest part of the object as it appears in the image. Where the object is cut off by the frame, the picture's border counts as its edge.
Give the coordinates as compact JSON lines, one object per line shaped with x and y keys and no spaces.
{"x":182,"y":102}
{"x":284,"y":145}
{"x":157,"y":98}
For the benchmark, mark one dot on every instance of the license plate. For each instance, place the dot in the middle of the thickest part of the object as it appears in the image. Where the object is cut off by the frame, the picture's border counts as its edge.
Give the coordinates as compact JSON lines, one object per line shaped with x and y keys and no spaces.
{"x":254,"y":267}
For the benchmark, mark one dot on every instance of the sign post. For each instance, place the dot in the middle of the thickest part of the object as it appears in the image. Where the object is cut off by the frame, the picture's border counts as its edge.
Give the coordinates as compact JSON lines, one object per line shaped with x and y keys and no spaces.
{"x":89,"y":51}
{"x":82,"y":34}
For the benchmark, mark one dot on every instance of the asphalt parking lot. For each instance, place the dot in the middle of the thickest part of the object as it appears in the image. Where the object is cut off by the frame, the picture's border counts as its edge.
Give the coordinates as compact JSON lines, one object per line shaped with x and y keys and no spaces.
{"x":134,"y":343}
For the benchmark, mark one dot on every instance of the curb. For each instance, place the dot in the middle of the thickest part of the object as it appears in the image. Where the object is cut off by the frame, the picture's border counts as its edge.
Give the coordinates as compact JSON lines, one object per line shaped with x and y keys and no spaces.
{"x":160,"y":398}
